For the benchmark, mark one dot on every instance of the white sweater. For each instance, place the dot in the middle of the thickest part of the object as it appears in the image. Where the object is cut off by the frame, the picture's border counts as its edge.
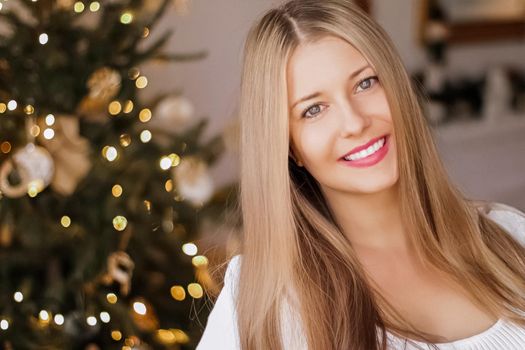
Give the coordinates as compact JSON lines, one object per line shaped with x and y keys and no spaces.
{"x":221,"y":330}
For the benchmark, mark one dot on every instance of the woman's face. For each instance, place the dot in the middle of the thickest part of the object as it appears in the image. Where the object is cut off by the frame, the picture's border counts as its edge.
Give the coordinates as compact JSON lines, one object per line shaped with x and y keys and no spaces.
{"x":336,"y":103}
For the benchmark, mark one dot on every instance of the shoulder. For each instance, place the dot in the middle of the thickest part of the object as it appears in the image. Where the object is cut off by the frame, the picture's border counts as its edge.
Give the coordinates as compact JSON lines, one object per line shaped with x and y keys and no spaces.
{"x":509,"y":218}
{"x":231,"y":277}
{"x":293,"y":336}
{"x":232,"y":271}
{"x":221,"y":328}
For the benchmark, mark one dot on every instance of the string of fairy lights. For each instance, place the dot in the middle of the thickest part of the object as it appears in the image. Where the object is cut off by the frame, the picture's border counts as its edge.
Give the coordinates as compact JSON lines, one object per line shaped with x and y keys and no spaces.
{"x":115,"y":108}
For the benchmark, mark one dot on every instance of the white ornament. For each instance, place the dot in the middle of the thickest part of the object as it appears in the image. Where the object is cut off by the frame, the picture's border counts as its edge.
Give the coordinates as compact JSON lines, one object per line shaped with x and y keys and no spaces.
{"x":35,"y":167}
{"x":193,"y":180}
{"x":173,"y":114}
{"x":70,"y":152}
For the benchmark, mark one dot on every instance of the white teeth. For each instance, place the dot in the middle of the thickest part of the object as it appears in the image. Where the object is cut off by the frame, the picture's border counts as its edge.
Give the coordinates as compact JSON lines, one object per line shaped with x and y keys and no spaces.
{"x":367,"y":152}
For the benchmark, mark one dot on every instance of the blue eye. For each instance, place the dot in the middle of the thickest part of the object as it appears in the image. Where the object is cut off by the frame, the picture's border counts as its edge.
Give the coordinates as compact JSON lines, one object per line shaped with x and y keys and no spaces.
{"x":314,"y":110}
{"x":367,"y":83}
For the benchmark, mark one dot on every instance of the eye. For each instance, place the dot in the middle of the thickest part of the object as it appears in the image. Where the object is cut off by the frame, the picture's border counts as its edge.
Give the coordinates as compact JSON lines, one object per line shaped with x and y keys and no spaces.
{"x":367,"y":83}
{"x":313,"y":110}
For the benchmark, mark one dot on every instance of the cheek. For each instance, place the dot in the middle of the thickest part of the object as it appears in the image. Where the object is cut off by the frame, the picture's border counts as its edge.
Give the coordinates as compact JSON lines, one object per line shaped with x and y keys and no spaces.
{"x":375,"y":105}
{"x":314,"y":143}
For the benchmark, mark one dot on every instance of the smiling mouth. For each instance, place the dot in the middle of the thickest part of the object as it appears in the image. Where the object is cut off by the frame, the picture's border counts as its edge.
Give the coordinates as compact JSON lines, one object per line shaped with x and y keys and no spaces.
{"x":367,"y":150}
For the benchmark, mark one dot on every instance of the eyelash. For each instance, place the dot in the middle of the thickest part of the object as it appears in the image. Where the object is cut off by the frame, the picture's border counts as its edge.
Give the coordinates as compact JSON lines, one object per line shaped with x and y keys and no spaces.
{"x":373,"y":77}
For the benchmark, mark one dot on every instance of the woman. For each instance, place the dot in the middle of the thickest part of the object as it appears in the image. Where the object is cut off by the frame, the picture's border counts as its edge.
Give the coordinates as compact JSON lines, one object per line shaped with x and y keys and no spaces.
{"x":353,"y":235}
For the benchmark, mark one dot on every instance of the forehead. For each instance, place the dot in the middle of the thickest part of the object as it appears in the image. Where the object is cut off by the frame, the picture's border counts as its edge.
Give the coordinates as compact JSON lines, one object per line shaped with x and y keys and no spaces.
{"x":320,"y":62}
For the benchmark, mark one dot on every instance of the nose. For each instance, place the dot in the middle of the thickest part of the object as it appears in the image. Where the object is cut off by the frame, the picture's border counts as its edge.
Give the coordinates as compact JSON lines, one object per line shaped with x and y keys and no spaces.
{"x":353,"y":120}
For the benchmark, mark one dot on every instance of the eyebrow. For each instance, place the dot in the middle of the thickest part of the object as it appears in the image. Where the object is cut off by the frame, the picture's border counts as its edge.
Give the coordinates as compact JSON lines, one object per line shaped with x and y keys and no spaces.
{"x":316,"y":94}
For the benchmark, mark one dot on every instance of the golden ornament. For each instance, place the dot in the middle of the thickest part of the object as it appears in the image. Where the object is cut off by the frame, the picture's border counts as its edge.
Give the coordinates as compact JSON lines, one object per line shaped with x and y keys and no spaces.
{"x":103,"y":85}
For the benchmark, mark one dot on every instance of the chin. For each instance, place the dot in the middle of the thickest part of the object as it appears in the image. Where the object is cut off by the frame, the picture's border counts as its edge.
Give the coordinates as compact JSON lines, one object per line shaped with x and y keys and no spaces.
{"x":370,"y":185}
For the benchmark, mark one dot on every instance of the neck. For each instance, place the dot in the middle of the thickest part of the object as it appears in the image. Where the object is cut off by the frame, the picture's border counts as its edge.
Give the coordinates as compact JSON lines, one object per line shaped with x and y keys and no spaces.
{"x":370,"y":221}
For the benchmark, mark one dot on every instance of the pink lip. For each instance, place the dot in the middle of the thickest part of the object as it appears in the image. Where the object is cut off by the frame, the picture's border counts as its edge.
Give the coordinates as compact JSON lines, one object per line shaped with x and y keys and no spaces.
{"x":365,"y":146}
{"x":371,"y":159}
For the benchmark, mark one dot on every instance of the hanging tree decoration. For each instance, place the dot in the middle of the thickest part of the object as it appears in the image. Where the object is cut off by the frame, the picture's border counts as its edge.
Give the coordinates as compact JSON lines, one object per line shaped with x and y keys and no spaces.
{"x":33,"y":165}
{"x":120,"y":270}
{"x":119,"y":264}
{"x":69,"y":150}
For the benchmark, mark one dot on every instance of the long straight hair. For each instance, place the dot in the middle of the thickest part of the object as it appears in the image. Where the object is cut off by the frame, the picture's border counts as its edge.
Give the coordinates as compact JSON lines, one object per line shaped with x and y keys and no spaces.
{"x":291,"y":244}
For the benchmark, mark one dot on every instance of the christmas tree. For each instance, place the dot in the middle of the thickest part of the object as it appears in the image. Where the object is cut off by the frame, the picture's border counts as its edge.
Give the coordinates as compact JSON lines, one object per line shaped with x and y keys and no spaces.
{"x":102,"y":195}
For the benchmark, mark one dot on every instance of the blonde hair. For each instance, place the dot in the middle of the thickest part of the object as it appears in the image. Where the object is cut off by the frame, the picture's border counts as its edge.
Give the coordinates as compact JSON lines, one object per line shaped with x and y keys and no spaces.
{"x":291,"y":243}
